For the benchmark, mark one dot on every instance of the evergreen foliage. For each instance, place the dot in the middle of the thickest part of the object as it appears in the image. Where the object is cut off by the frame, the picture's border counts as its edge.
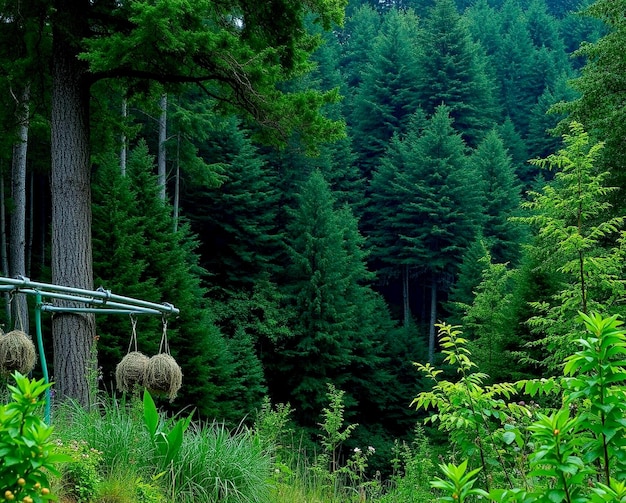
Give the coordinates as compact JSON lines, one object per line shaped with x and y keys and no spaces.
{"x":571,"y":220}
{"x":452,"y":72}
{"x":600,"y":106}
{"x":167,"y":268}
{"x":500,"y":198}
{"x":336,"y":329}
{"x":237,"y":219}
{"x":386,"y":98}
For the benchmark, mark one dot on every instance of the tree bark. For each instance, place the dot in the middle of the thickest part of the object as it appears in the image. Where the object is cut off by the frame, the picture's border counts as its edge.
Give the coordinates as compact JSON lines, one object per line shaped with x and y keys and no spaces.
{"x":161,"y":159}
{"x":73,"y":335}
{"x":17,"y":235}
{"x":177,"y":186}
{"x":124,"y":140}
{"x":433,"y":320}
{"x":3,"y":245}
{"x":405,"y":296}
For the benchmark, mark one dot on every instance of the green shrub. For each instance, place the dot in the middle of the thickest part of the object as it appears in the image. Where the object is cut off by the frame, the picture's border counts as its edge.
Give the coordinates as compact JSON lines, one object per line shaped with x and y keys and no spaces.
{"x":574,"y":454}
{"x":27,"y":454}
{"x":80,"y":477}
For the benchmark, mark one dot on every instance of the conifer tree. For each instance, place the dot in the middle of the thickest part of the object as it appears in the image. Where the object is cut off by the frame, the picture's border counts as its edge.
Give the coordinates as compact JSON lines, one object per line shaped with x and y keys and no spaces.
{"x":386,"y":98}
{"x":452,"y":72}
{"x":469,"y":277}
{"x":574,"y":232}
{"x":518,"y":150}
{"x":431,"y":206}
{"x":444,"y":204}
{"x":333,"y":336}
{"x":167,"y":269}
{"x":487,"y":322}
{"x":357,"y":38}
{"x":601,"y":106}
{"x":500,"y":198}
{"x":236,"y":219}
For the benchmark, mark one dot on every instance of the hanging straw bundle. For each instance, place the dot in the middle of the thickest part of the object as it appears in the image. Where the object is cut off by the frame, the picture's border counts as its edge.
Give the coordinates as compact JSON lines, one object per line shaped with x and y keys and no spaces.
{"x":130,"y":371}
{"x":17,"y":352}
{"x":163,"y":375}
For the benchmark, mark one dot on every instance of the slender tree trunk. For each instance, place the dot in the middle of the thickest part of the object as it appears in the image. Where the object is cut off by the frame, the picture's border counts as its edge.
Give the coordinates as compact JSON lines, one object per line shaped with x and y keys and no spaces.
{"x":161,"y":164}
{"x":177,"y":185}
{"x":73,"y":334}
{"x":433,"y":319}
{"x":405,"y":296}
{"x":17,"y":236}
{"x":3,"y":244}
{"x":31,"y":224}
{"x":124,"y":147}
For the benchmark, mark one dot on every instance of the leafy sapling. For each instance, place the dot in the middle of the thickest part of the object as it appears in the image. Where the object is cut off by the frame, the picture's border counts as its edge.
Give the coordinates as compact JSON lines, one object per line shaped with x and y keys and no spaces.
{"x":27,"y":453}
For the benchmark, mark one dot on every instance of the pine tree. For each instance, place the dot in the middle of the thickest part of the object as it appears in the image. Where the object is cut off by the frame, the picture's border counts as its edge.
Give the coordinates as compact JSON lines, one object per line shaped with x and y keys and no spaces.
{"x":162,"y":266}
{"x":517,"y":149}
{"x":487,"y":322}
{"x":600,"y":106}
{"x":452,"y":72}
{"x":574,"y":236}
{"x":386,"y":98}
{"x":431,"y":206}
{"x":444,"y":204}
{"x":236,"y":219}
{"x":387,"y":227}
{"x":332,"y":340}
{"x":357,"y":38}
{"x":469,"y":277}
{"x":514,"y":59}
{"x":500,"y":198}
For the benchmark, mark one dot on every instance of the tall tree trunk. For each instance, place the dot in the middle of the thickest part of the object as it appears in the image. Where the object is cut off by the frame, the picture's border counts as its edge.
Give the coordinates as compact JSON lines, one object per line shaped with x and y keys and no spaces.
{"x":433,"y":319}
{"x":405,"y":296}
{"x":177,"y":185}
{"x":161,"y":164}
{"x":17,"y":236}
{"x":124,"y":147}
{"x":31,"y":224}
{"x":73,"y":334}
{"x":3,"y":244}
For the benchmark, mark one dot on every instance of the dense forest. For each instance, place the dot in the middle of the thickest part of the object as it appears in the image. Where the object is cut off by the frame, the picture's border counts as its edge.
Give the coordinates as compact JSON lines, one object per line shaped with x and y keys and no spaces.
{"x":331,"y":187}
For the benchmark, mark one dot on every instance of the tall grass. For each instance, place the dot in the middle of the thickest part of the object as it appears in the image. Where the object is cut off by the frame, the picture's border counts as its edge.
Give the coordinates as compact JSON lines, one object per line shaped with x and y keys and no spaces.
{"x":218,"y":465}
{"x":213,"y":465}
{"x":114,"y":428}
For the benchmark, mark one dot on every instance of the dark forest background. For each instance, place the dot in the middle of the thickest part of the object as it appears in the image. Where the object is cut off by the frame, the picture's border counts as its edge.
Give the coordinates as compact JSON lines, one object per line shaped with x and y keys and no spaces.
{"x":297,"y":267}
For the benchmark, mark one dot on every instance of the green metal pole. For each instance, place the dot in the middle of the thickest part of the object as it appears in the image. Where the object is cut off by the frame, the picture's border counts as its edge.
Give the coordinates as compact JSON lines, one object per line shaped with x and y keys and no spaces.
{"x":42,"y":356}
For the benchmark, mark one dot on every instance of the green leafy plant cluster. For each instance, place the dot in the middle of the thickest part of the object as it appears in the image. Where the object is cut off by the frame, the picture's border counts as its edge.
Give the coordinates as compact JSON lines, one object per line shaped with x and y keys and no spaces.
{"x":80,"y":477}
{"x":479,"y":418}
{"x":27,"y":453}
{"x":166,"y":440}
{"x":343,"y":478}
{"x":573,"y":453}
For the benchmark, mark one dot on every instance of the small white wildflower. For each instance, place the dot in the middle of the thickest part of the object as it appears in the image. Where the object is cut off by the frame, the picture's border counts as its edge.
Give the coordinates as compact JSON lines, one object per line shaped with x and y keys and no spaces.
{"x":357,"y":450}
{"x":371,"y":450}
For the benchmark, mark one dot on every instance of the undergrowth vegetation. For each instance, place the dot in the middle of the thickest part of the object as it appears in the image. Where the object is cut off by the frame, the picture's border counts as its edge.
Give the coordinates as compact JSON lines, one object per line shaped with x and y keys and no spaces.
{"x":559,"y":439}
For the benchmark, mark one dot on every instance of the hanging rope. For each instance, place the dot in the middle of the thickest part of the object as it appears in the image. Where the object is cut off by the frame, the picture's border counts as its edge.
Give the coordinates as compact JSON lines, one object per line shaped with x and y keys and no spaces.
{"x":133,"y":337}
{"x":164,"y":347}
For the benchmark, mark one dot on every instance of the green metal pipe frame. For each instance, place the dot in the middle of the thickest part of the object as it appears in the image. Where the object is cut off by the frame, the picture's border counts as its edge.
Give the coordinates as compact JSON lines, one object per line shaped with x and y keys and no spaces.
{"x":95,"y":301}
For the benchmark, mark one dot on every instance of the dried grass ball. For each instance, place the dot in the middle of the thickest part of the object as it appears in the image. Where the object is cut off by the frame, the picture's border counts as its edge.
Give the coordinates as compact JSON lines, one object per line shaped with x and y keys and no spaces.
{"x":17,"y":353}
{"x":163,"y":375}
{"x":130,"y":371}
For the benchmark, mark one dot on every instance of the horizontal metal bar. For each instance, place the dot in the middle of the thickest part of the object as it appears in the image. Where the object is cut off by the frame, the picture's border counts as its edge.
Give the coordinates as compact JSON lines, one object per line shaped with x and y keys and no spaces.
{"x":135,"y":310}
{"x":90,"y":297}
